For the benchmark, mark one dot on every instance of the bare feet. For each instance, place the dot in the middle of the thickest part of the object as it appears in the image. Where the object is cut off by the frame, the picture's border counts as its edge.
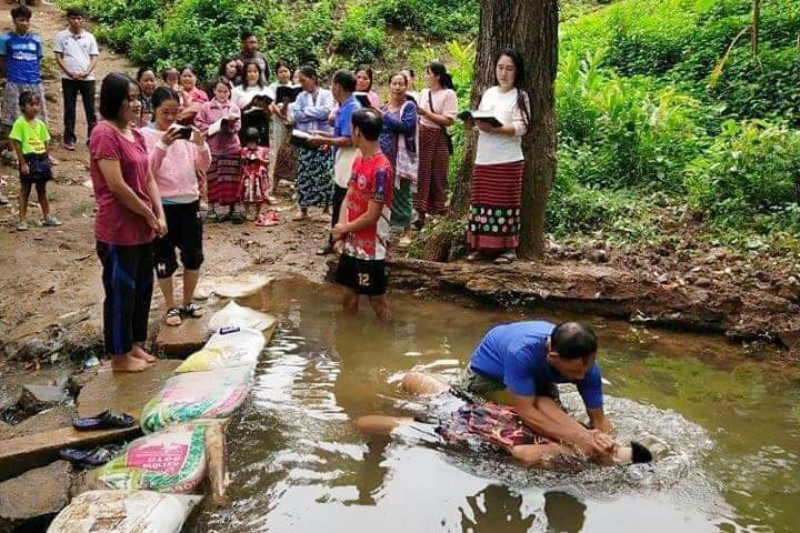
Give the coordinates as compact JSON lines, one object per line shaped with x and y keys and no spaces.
{"x":139,"y":353}
{"x":128,"y":363}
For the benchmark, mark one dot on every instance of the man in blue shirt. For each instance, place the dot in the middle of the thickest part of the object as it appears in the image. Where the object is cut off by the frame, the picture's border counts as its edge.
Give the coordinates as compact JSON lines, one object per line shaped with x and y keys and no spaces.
{"x":21,"y":54}
{"x":529,"y":359}
{"x":343,"y":85}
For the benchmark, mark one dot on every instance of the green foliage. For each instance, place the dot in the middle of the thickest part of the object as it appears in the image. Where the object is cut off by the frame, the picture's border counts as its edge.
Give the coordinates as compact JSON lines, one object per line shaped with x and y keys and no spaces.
{"x":440,"y":19}
{"x":749,"y":178}
{"x":361,"y":34}
{"x":682,"y":41}
{"x":619,"y":132}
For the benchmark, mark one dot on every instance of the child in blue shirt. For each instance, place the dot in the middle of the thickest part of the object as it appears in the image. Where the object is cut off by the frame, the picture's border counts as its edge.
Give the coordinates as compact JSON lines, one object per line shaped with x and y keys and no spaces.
{"x":21,"y":53}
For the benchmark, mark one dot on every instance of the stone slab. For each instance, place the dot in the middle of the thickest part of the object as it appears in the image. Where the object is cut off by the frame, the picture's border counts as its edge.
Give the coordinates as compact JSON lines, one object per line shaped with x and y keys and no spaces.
{"x":180,"y":341}
{"x":29,"y":501}
{"x":126,"y":393}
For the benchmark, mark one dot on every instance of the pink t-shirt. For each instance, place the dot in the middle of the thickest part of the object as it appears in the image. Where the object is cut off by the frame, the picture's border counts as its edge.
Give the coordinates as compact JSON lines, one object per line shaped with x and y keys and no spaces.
{"x":115,"y":223}
{"x":445,"y":102}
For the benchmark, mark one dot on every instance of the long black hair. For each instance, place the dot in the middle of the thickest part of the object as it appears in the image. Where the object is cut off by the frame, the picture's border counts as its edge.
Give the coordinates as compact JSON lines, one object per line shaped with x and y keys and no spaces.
{"x":163,"y":94}
{"x":437,"y":68}
{"x":113,"y":94}
{"x":245,"y":67}
{"x":368,"y":71}
{"x":523,"y":102}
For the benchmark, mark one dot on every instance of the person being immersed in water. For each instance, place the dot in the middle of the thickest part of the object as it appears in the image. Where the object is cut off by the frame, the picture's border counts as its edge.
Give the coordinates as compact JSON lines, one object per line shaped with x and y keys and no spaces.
{"x":529,"y":359}
{"x":497,"y":427}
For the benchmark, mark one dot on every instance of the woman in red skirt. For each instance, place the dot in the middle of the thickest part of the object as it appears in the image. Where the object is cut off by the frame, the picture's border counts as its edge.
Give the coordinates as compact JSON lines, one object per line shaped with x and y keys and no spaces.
{"x":496,"y":195}
{"x":438,"y":107}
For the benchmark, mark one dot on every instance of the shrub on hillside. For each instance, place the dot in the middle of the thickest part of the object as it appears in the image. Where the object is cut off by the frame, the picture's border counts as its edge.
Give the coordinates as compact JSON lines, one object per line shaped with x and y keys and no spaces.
{"x":361,"y":34}
{"x":621,"y":133}
{"x":749,"y":177}
{"x":440,"y":19}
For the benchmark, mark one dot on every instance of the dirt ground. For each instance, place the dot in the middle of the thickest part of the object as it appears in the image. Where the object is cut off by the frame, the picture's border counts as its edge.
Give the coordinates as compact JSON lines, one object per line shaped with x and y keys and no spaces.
{"x":50,"y":277}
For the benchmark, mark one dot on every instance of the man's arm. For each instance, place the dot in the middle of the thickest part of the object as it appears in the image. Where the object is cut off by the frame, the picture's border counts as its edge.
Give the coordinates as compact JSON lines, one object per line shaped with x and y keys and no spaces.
{"x":599,"y":421}
{"x":544,"y":416}
{"x":60,"y":62}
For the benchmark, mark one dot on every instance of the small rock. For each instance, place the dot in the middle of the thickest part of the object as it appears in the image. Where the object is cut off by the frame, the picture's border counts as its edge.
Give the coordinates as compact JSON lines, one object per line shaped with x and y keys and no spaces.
{"x":37,"y":398}
{"x":690,"y":278}
{"x":790,"y":338}
{"x":38,"y":349}
{"x":599,"y":256}
{"x":702,"y":282}
{"x":28,"y":502}
{"x":79,"y":380}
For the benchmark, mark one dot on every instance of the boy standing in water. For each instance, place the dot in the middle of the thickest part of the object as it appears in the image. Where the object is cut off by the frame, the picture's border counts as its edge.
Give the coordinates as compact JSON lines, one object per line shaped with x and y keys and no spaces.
{"x":363,"y":227}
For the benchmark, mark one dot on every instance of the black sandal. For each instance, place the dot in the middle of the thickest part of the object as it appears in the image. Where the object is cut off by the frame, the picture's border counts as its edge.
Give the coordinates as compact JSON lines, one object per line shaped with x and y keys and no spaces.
{"x":192,"y":311}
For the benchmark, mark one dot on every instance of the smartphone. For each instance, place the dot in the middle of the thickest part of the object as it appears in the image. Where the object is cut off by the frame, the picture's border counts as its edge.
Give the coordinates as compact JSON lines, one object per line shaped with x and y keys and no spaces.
{"x":184,"y":132}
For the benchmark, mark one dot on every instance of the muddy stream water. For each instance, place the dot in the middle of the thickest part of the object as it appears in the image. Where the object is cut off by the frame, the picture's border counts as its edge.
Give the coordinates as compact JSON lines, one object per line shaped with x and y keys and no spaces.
{"x":725,"y":431}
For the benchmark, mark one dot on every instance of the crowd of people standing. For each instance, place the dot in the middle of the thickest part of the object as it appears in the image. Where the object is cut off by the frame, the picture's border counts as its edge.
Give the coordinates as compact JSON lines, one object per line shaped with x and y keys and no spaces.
{"x":170,"y":147}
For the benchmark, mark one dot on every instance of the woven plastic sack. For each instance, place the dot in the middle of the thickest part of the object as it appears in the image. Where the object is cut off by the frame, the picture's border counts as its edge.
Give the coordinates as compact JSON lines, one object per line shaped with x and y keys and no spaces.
{"x":229,"y":348}
{"x":119,"y":511}
{"x":196,"y":395}
{"x":171,"y":461}
{"x":234,"y":315}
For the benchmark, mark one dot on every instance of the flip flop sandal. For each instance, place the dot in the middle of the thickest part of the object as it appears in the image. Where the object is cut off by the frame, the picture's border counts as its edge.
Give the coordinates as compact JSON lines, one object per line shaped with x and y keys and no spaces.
{"x":96,"y":457}
{"x":505,"y":258}
{"x":105,"y":420}
{"x":474,"y":256}
{"x":173,"y":317}
{"x":192,"y":311}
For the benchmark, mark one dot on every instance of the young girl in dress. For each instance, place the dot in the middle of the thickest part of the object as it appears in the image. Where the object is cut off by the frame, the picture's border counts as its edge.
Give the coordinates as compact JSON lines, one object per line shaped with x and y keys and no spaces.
{"x":254,"y":181}
{"x":223,"y":174}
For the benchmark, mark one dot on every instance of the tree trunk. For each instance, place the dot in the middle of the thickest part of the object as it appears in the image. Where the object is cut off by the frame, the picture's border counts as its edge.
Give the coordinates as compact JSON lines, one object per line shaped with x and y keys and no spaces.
{"x":754,"y":28}
{"x":532,"y":28}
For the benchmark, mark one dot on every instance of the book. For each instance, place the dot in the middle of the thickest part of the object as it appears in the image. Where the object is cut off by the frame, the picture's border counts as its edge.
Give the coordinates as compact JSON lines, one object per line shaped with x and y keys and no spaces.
{"x":300,"y":137}
{"x":363,"y":99}
{"x":287,"y":93}
{"x":216,"y":127}
{"x":480,"y":116}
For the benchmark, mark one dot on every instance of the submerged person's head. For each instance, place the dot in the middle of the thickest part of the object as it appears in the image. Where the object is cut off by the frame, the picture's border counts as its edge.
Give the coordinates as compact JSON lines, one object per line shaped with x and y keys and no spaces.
{"x":572,"y":349}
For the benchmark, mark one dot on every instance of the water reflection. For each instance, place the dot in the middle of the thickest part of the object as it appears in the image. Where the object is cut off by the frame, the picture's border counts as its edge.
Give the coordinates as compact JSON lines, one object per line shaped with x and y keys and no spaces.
{"x":497,"y":509}
{"x":565,"y":513}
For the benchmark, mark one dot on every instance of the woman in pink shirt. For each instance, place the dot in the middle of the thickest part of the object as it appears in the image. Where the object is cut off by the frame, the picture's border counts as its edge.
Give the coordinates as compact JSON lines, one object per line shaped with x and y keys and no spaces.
{"x":220,"y":119}
{"x":364,"y":84}
{"x":129,"y":216}
{"x":191,"y":96}
{"x":438,"y":107}
{"x":177,"y":157}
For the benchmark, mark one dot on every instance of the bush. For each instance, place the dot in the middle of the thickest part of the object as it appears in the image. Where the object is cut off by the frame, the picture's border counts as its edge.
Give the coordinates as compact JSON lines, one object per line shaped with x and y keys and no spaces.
{"x":620,"y":133}
{"x":749,"y":178}
{"x":440,"y":19}
{"x":361,"y":34}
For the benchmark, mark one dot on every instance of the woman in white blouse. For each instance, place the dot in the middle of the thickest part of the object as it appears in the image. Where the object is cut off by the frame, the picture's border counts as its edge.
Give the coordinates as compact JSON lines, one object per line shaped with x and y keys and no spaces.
{"x":496,"y":194}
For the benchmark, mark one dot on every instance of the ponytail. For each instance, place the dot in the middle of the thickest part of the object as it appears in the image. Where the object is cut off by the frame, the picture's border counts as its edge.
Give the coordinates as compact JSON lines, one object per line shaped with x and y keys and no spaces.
{"x":437,"y":68}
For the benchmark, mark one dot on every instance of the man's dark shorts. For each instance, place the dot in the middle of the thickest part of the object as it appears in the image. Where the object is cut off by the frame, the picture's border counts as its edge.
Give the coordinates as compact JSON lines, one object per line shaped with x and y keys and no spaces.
{"x":369,"y":278}
{"x":184,"y":232}
{"x":473,"y":382}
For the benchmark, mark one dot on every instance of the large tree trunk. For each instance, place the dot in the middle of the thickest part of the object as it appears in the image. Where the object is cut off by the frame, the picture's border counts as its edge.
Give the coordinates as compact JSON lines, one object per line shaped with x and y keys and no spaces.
{"x":532,"y":28}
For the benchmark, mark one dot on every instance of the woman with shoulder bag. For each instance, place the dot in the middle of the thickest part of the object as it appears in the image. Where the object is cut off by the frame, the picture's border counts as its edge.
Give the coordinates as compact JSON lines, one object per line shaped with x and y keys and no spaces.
{"x":438,"y":107}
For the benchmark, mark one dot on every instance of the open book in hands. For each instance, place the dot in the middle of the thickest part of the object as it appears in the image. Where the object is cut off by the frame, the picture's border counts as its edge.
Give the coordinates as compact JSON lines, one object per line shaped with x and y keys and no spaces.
{"x":480,"y":116}
{"x":286,"y":94}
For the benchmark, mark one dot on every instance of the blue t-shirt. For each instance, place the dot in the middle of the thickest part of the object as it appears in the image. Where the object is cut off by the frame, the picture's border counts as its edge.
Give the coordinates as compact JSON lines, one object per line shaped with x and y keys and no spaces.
{"x":516,"y":354}
{"x":23,"y":53}
{"x":343,"y":125}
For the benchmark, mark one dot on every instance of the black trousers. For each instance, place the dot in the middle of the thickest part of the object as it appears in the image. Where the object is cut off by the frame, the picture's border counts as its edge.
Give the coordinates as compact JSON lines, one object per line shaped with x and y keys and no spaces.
{"x":72,"y":88}
{"x":128,"y":284}
{"x":338,"y":197}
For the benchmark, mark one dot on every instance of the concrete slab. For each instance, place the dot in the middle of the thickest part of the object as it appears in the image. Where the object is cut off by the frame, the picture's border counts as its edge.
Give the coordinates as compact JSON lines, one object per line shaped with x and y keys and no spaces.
{"x":30,"y":501}
{"x":180,"y":341}
{"x":240,"y":286}
{"x":118,"y":392}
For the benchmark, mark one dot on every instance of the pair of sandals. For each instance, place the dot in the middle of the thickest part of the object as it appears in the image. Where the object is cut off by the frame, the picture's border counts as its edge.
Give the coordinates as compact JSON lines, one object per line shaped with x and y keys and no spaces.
{"x":270,"y":218}
{"x":176,"y":314}
{"x":90,"y":458}
{"x":105,"y":420}
{"x":505,"y":258}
